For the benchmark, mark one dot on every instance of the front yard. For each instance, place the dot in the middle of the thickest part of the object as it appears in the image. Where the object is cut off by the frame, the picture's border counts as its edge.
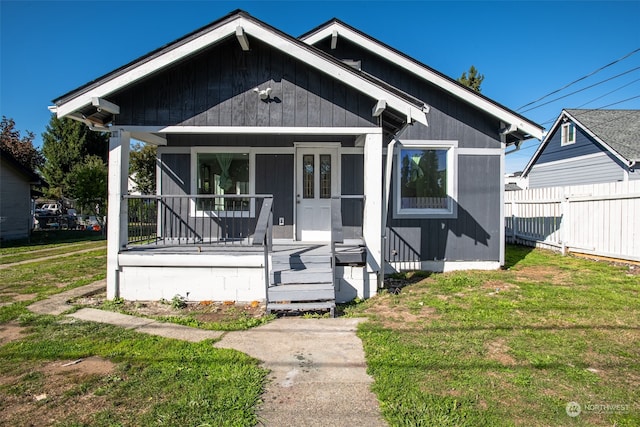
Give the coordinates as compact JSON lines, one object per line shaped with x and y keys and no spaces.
{"x":511,"y":347}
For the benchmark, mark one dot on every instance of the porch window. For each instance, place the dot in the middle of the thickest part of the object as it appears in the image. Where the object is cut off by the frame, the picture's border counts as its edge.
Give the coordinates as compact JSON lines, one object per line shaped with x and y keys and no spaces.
{"x":223,"y":174}
{"x":426,"y":179}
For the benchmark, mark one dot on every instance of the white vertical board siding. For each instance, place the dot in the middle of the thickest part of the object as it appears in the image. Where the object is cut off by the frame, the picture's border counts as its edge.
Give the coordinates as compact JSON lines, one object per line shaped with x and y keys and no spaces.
{"x":599,"y":219}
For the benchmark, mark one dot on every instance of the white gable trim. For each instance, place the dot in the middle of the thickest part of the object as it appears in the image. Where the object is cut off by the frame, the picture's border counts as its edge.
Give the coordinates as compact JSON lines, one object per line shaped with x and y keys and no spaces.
{"x":597,"y":138}
{"x":426,"y":74}
{"x":251,"y":28}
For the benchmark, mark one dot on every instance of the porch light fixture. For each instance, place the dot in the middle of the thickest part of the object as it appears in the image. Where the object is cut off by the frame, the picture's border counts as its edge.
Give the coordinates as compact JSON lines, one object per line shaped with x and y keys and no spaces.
{"x":264,"y":94}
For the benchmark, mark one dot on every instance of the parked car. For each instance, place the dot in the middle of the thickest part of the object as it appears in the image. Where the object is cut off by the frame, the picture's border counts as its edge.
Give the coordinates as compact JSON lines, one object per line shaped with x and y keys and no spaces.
{"x":52,"y":208}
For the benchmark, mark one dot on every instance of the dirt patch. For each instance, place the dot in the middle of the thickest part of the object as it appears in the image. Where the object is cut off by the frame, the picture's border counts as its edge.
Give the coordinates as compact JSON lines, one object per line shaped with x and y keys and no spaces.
{"x":202,"y":311}
{"x":547,"y":274}
{"x":398,"y":316}
{"x":498,"y":350}
{"x":11,"y":332}
{"x":59,"y":390}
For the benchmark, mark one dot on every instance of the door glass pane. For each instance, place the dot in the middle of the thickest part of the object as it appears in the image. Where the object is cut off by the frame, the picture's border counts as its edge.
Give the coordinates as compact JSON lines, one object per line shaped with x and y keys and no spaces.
{"x":325,"y":176}
{"x":307,"y":176}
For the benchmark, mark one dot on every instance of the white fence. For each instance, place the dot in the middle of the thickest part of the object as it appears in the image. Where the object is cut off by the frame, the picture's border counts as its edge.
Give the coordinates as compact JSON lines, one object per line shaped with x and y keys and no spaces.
{"x":600,"y":219}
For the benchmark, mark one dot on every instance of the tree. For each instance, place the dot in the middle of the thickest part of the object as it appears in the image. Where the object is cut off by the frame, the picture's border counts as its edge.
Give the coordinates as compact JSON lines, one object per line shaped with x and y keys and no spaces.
{"x":87,"y":184}
{"x":473,"y":80}
{"x":20,"y":147}
{"x":67,"y":143}
{"x":142,"y":166}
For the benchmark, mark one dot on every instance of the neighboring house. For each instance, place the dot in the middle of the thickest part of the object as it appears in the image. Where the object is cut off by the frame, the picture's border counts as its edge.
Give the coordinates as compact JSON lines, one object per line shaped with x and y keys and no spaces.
{"x":333,"y":139}
{"x":514,"y":181}
{"x":16,"y":216}
{"x":588,"y":147}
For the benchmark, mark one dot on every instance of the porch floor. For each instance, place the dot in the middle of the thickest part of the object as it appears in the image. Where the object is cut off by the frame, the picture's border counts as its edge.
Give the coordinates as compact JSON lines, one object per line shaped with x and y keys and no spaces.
{"x":351,"y":251}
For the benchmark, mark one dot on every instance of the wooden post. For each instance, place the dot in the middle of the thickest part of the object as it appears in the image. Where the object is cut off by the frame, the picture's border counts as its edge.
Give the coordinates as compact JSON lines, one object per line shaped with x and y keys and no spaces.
{"x":372,"y":219}
{"x":117,"y":207}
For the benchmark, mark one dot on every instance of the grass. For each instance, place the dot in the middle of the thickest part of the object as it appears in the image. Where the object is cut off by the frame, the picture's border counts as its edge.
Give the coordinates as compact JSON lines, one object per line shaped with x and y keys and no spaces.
{"x":508,"y":347}
{"x":154,"y":381}
{"x":150,"y":380}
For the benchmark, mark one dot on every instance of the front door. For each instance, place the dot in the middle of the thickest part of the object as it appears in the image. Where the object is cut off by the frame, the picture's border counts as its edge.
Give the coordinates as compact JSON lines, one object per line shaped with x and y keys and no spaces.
{"x":316,"y":182}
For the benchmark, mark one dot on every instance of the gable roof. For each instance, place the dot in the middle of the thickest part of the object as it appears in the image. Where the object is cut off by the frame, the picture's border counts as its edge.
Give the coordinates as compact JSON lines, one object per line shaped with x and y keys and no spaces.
{"x":237,"y":23}
{"x":335,"y":28}
{"x":31,"y":176}
{"x":617,"y":131}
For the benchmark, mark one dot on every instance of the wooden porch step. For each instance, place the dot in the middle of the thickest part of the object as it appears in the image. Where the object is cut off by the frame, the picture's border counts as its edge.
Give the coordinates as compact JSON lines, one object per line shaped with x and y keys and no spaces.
{"x":300,"y":261}
{"x":299,"y":292}
{"x":302,"y":306}
{"x":308,"y":275}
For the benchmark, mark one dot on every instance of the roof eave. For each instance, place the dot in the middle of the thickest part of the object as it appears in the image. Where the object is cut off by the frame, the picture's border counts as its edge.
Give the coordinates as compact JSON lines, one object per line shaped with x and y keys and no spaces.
{"x":453,"y":87}
{"x":75,"y":100}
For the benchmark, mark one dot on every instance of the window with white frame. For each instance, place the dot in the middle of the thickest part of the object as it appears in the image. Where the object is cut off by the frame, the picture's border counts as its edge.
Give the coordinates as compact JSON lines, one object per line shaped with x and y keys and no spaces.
{"x":568,"y":134}
{"x":426,"y":179}
{"x":225,"y":174}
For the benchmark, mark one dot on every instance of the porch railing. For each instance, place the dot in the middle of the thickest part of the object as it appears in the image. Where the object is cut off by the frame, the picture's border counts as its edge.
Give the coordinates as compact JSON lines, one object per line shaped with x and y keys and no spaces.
{"x":174,"y":220}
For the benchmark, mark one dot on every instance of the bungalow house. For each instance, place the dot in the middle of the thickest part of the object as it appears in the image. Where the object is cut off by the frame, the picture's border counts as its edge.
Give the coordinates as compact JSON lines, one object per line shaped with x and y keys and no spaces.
{"x":295,"y":170}
{"x":587,"y":147}
{"x":16,"y":207}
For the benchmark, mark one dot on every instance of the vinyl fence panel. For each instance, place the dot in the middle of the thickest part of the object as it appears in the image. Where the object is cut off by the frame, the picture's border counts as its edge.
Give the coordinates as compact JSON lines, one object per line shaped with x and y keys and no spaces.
{"x":598,"y":219}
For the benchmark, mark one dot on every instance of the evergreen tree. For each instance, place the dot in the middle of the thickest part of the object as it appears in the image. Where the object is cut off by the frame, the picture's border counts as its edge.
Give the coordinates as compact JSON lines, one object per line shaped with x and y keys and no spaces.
{"x":473,"y":80}
{"x":67,"y":143}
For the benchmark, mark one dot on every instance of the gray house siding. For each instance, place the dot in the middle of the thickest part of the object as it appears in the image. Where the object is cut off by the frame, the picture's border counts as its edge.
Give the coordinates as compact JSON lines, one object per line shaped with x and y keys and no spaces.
{"x":475,"y":233}
{"x":274,"y":175}
{"x":577,"y":171}
{"x":216,"y":88}
{"x":583,"y":146}
{"x":583,"y":162}
{"x":448,"y":118}
{"x":15,"y":203}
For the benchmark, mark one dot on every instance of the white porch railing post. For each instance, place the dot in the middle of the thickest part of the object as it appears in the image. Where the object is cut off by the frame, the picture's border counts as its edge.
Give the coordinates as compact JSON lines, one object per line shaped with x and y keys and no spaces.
{"x":372,"y":219}
{"x":117,"y":207}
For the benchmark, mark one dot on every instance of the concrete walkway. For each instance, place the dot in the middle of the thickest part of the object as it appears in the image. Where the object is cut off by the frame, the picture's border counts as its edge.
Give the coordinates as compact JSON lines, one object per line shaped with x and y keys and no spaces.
{"x":317,"y":367}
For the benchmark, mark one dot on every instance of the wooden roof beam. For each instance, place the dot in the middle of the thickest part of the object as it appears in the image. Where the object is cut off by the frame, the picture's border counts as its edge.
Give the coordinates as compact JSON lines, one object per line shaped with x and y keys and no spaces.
{"x":242,"y":38}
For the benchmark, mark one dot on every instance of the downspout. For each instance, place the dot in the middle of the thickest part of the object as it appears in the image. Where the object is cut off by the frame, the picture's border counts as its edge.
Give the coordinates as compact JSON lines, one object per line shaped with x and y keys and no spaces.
{"x":387,"y":189}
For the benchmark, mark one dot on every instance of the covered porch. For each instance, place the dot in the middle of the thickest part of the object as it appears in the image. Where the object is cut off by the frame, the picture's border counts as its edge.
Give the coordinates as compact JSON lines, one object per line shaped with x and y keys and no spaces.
{"x":241,"y":247}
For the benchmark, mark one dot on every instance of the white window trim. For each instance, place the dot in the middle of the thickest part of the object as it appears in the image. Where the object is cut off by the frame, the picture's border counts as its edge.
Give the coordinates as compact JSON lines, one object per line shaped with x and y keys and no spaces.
{"x":564,"y":133}
{"x":452,"y":179}
{"x":193,"y":212}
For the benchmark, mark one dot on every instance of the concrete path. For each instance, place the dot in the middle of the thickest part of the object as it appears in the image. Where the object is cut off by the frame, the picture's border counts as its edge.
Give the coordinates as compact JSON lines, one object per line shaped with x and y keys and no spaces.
{"x":317,"y":367}
{"x":58,"y":304}
{"x":318,"y":372}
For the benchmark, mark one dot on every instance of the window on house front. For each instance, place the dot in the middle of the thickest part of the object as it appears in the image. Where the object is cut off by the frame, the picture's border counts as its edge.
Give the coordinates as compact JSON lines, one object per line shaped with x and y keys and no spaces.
{"x":426,"y":179}
{"x":223,"y":174}
{"x":568,"y":134}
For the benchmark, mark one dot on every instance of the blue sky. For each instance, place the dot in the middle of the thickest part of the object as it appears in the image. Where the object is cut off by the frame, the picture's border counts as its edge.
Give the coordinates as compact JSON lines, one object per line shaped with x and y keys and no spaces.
{"x":525,"y":49}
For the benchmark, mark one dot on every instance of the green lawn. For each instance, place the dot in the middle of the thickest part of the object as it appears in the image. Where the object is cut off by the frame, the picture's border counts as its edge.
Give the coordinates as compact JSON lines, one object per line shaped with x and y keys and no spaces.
{"x":124,"y":378}
{"x":495,"y":348}
{"x":509,"y":347}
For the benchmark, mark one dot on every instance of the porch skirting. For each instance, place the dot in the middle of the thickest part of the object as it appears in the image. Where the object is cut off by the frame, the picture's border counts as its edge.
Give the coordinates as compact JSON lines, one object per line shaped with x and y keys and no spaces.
{"x":217,"y":277}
